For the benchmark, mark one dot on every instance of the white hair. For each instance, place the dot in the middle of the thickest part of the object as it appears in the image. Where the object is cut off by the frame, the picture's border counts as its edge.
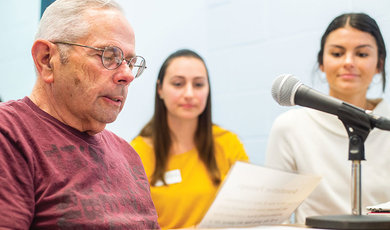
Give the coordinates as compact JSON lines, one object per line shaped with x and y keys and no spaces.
{"x":63,"y":20}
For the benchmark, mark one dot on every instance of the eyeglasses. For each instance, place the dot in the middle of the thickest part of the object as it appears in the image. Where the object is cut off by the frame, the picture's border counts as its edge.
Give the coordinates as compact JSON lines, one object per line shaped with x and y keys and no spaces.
{"x":112,"y":58}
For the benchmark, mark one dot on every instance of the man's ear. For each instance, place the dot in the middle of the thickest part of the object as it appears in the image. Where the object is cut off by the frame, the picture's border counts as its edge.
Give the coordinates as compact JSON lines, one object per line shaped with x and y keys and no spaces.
{"x":42,"y":52}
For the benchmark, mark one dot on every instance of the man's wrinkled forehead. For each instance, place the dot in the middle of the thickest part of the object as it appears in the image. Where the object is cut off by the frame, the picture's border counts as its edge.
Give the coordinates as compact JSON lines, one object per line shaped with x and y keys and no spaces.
{"x":109,"y":27}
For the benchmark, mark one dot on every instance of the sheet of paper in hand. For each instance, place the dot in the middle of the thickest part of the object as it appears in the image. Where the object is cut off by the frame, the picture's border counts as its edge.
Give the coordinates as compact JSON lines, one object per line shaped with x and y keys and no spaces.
{"x":253,"y":195}
{"x":382,"y":209}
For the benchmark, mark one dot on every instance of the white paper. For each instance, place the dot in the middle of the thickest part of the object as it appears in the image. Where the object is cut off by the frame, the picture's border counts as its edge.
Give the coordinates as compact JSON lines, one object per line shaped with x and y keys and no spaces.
{"x":253,"y":195}
{"x":269,"y":227}
{"x":384,"y":207}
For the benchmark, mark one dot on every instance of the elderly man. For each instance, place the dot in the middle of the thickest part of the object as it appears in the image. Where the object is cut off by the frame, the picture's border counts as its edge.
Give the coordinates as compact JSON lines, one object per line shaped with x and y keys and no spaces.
{"x":59,"y":167}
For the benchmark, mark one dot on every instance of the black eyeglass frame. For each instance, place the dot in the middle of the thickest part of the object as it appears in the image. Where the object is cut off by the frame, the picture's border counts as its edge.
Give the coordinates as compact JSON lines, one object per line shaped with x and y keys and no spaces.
{"x":141,"y":67}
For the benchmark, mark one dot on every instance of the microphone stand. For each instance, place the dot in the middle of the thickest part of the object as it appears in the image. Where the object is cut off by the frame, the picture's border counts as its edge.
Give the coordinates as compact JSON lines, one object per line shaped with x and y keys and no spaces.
{"x":358,"y":127}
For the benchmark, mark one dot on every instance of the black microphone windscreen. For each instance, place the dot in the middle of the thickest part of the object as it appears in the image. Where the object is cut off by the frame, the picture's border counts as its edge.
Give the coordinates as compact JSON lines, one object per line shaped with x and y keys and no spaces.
{"x":284,"y":89}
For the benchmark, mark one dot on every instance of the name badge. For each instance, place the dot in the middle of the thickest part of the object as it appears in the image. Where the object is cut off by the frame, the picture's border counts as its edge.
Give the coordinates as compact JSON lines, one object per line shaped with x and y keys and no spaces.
{"x":171,"y":177}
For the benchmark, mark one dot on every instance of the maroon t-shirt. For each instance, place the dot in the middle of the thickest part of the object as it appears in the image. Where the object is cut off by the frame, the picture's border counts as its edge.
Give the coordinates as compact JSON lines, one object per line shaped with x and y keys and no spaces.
{"x":53,"y":176}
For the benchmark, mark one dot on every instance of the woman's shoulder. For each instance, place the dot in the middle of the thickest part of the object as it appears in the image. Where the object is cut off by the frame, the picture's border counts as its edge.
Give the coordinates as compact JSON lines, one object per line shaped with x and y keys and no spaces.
{"x":306,"y":119}
{"x":225,"y":137}
{"x":229,"y":147}
{"x":140,"y":142}
{"x":143,"y":146}
{"x":382,"y":107}
{"x":219,"y":132}
{"x":294,"y":114}
{"x":292,"y":117}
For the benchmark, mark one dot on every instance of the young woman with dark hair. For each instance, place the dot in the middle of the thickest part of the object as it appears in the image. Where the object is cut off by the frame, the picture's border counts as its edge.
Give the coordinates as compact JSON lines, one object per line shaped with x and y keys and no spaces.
{"x":184,"y":154}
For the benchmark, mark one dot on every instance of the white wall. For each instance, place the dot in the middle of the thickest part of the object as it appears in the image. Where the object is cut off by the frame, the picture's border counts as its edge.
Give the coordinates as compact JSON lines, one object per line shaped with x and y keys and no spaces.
{"x":246,"y":44}
{"x":18,"y":23}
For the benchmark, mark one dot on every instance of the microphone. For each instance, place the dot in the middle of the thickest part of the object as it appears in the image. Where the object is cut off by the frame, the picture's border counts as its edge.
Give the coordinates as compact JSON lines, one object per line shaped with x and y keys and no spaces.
{"x":289,"y":91}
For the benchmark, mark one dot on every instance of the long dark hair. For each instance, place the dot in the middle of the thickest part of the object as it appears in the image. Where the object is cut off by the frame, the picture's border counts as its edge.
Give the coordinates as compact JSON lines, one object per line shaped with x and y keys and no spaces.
{"x":364,"y":23}
{"x":157,"y":128}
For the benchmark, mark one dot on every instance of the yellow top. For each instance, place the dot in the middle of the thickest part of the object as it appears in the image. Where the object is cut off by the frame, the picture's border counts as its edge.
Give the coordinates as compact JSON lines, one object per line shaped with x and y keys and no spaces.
{"x":190,"y":190}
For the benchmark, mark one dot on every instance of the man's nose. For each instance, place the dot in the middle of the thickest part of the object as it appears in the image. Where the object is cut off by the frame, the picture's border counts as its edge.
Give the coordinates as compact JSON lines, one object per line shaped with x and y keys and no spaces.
{"x":124,"y":75}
